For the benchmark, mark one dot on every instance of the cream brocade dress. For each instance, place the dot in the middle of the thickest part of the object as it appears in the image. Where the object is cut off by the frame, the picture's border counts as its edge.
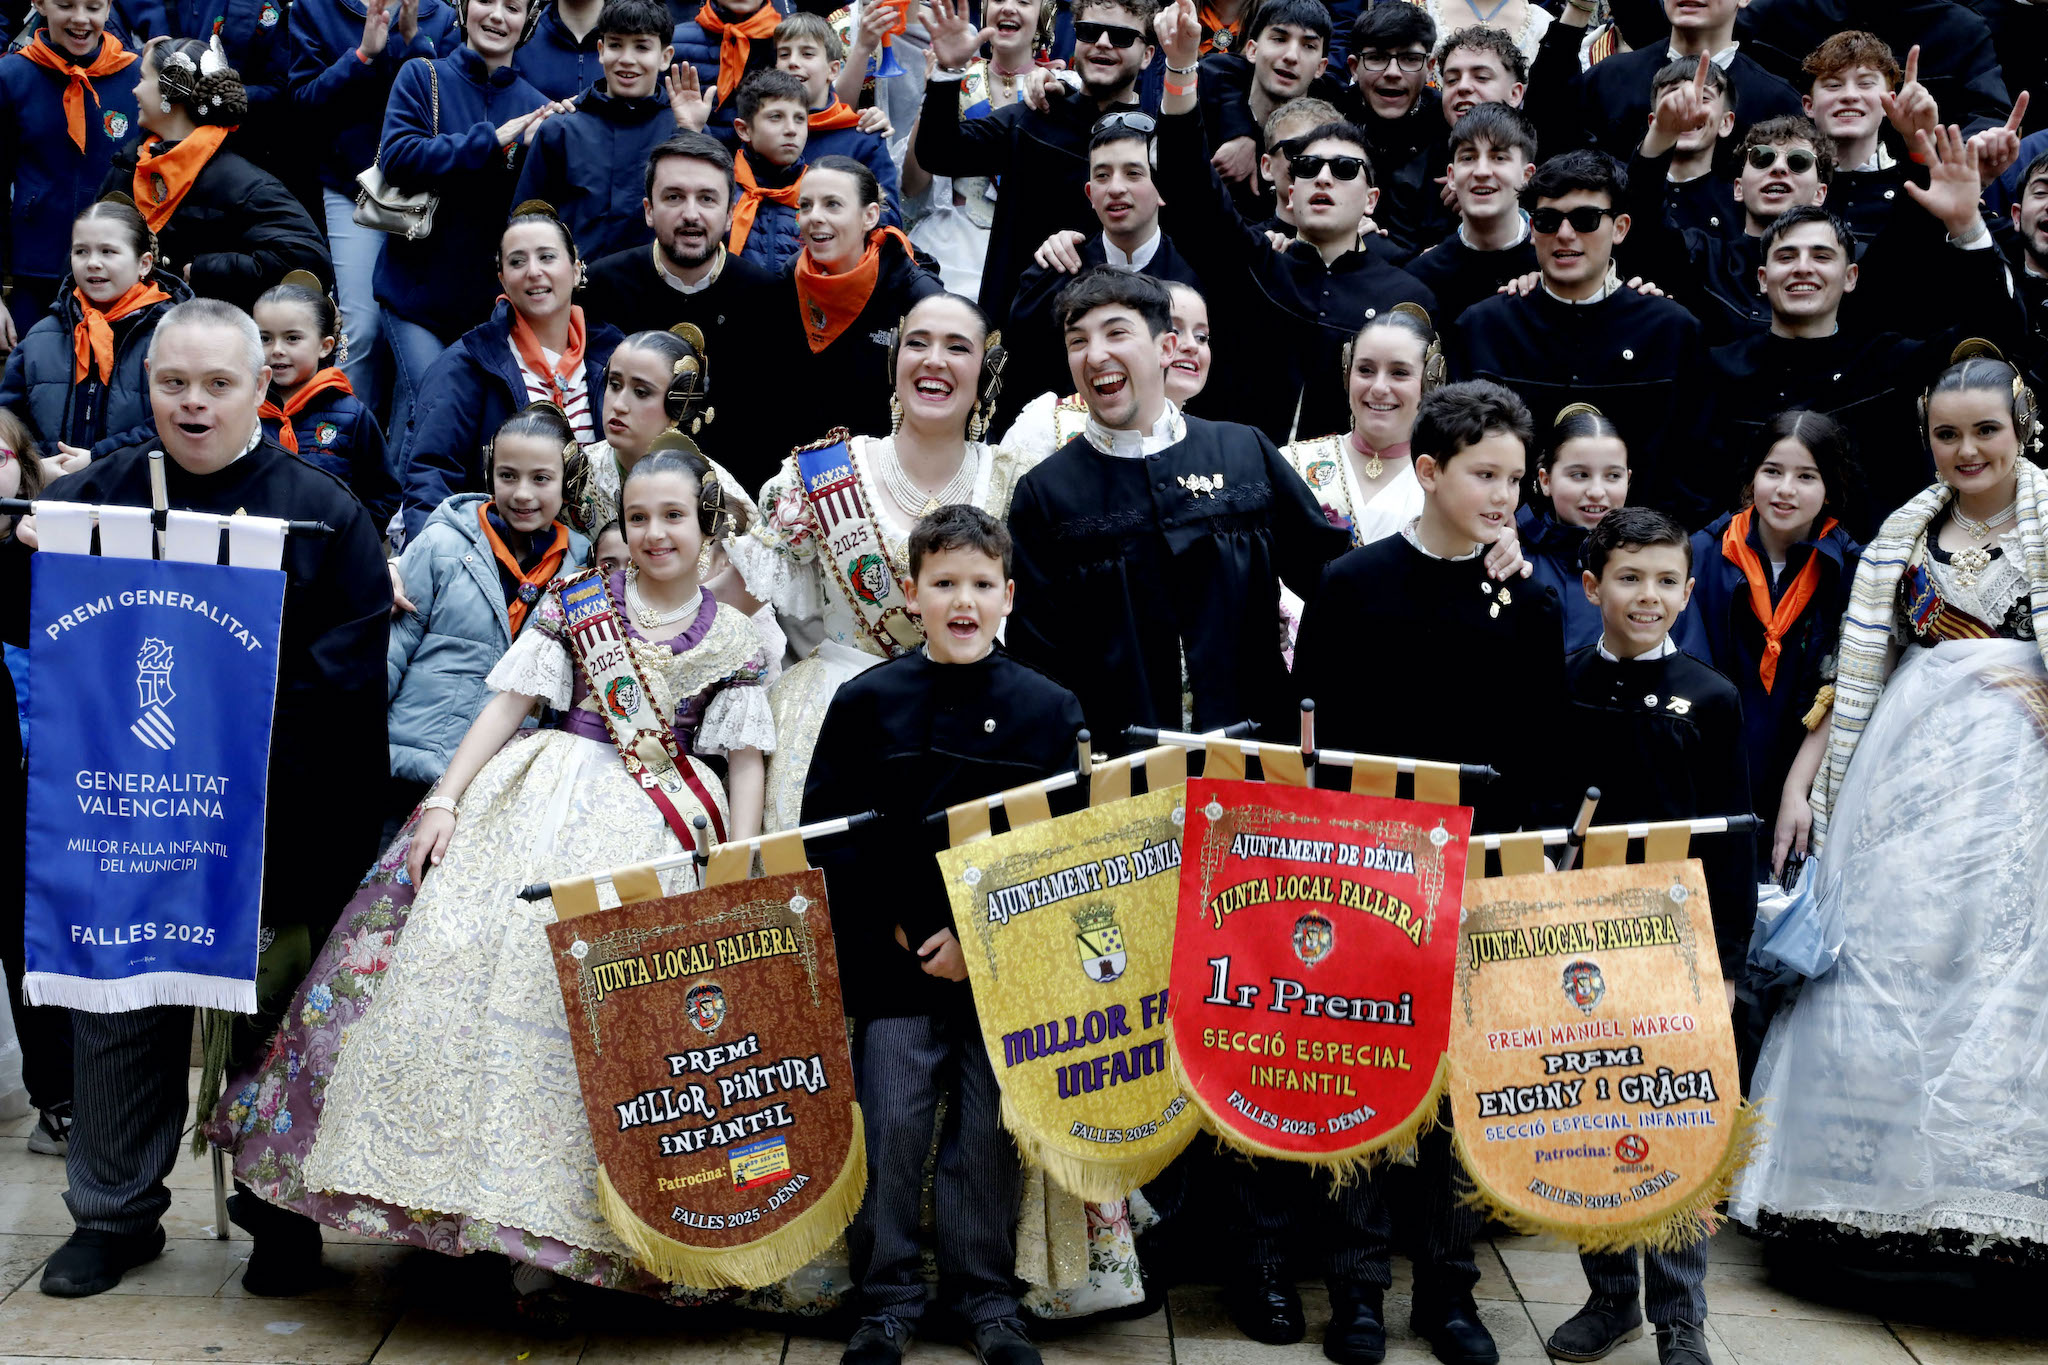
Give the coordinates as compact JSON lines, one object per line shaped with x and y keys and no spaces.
{"x":456,"y":1090}
{"x":780,"y":561}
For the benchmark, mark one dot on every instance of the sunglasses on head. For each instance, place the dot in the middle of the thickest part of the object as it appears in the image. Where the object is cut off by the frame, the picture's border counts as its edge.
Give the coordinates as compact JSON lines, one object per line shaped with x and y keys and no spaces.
{"x":1087,"y":33}
{"x":1306,"y":167}
{"x":1127,"y":120}
{"x":1584,"y":218}
{"x":1797,"y":160}
{"x":1411,"y":62}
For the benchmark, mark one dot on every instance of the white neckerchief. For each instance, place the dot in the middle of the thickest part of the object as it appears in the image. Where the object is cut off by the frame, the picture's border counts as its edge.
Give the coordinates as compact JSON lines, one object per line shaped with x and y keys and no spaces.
{"x":1719,"y":59}
{"x":1138,"y":259}
{"x":1664,"y":650}
{"x":1408,"y":534}
{"x":1170,"y":429}
{"x":1607,"y":288}
{"x":1509,"y":247}
{"x":682,"y":286}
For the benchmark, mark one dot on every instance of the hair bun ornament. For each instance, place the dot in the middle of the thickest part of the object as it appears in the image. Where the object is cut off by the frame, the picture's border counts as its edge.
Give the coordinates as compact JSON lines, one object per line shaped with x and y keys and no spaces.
{"x":687,"y":331}
{"x":116,"y":197}
{"x":304,"y":278}
{"x":539,"y":206}
{"x":214,"y":60}
{"x":1969,"y":348}
{"x":1416,"y":311}
{"x":1571,"y":410}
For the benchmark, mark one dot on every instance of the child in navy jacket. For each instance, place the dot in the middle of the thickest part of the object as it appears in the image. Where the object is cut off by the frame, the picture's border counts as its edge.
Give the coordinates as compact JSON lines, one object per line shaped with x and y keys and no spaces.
{"x":1581,"y":478}
{"x":560,"y":59}
{"x":699,"y":44}
{"x":312,"y":409}
{"x":807,"y":48}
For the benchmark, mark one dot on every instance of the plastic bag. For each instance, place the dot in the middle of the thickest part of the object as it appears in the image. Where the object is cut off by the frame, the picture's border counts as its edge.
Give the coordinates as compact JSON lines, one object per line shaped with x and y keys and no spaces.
{"x":13,"y":1094}
{"x":1803,"y":935}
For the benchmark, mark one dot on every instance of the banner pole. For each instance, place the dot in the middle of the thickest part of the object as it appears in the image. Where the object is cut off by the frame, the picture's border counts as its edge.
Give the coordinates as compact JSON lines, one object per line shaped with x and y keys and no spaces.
{"x":1308,"y":733}
{"x":1085,"y":768}
{"x":159,"y":497}
{"x":1577,"y":838}
{"x":1699,"y":828}
{"x":823,"y":829}
{"x":26,"y":507}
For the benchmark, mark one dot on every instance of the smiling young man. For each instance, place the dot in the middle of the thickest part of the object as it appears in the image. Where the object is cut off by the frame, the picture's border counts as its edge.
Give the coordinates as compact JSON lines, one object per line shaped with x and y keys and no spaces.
{"x":1048,"y":152}
{"x":1151,"y":549}
{"x":1287,"y":54}
{"x":1302,"y":303}
{"x":2029,"y":258}
{"x":1695,"y":195}
{"x":587,"y":163}
{"x":1493,"y":154}
{"x":206,"y":382}
{"x":1580,"y":336}
{"x":1390,"y":97}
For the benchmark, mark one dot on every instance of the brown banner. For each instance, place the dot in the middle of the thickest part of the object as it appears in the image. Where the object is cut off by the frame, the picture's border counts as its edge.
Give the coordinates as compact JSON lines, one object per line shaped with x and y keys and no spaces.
{"x":711,"y":1046}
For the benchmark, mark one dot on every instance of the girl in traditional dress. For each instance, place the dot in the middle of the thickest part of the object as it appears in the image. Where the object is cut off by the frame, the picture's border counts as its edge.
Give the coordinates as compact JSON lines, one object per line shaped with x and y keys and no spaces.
{"x":1581,"y":476}
{"x":424,"y":1089}
{"x":831,"y":559}
{"x":1048,"y":421}
{"x":1904,"y":1085}
{"x":312,"y":409}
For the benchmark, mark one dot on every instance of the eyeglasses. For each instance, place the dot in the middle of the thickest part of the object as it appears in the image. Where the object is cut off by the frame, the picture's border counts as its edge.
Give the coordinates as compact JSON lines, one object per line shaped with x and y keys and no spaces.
{"x":1127,"y":121}
{"x":1797,"y":160}
{"x":1410,"y":62}
{"x":1087,"y":33}
{"x":1584,"y":218}
{"x":1306,"y":167}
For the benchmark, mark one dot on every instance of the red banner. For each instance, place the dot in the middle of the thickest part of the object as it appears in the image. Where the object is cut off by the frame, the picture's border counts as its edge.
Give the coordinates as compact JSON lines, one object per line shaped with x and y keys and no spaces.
{"x":1313,"y":965}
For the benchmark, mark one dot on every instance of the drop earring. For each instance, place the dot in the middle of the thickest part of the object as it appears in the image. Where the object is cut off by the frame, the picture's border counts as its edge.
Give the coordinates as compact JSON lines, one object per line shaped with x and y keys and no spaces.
{"x":704,"y":562}
{"x":895,"y":414}
{"x":163,"y":103}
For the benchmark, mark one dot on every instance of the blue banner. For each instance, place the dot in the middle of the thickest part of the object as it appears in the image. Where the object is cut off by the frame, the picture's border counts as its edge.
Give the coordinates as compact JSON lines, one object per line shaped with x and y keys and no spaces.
{"x":149,"y":751}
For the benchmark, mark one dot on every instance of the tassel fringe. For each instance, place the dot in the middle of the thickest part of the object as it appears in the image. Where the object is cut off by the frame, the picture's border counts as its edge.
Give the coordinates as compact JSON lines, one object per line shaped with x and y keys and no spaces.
{"x":1666,"y":1231}
{"x":774,"y":1257}
{"x":237,"y":995}
{"x":1352,"y":1162}
{"x":1098,"y":1180}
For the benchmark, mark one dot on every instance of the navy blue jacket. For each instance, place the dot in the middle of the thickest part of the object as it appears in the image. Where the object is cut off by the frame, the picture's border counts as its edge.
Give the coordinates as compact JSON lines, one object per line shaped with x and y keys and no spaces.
{"x":341,"y":94}
{"x":96,"y":416}
{"x":1553,"y":549}
{"x":870,"y":150}
{"x":252,"y":33}
{"x":445,"y":281}
{"x":592,"y":166}
{"x":467,"y":395}
{"x":700,"y":49}
{"x":1726,"y":633}
{"x":50,"y":179}
{"x":772,"y":242}
{"x":337,"y":433}
{"x":555,"y":61}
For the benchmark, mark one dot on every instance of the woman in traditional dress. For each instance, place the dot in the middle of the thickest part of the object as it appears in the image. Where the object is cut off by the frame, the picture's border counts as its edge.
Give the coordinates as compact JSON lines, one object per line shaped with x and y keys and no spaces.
{"x":831,"y":558}
{"x":1904,"y":1086}
{"x":423,"y":1089}
{"x":1048,"y":421}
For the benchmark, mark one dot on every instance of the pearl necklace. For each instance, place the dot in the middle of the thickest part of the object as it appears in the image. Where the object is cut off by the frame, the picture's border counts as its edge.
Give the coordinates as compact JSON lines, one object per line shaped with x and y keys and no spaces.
{"x":914,"y":500}
{"x":1980,"y":530}
{"x":645,"y":616}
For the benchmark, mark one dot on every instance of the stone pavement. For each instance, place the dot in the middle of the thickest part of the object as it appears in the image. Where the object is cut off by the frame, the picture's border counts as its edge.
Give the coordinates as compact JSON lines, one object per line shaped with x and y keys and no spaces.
{"x":400,"y":1307}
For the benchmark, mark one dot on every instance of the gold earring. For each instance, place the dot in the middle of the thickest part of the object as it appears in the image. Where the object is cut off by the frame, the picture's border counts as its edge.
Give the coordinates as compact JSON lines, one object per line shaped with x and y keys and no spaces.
{"x":977,"y":424}
{"x":895,"y":414}
{"x":704,"y":560}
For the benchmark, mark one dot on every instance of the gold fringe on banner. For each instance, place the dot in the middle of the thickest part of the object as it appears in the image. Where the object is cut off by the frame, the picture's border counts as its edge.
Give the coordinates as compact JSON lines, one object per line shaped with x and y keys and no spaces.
{"x":1678,"y":1227}
{"x":1348,"y":1164}
{"x":781,"y":1253}
{"x":1099,"y":1180}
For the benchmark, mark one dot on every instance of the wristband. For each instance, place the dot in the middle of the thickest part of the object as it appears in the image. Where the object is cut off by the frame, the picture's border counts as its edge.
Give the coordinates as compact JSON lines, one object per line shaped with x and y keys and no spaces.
{"x":1977,"y":231}
{"x":950,"y":75}
{"x":1172,"y":88}
{"x":438,"y":803}
{"x":1187,"y":70}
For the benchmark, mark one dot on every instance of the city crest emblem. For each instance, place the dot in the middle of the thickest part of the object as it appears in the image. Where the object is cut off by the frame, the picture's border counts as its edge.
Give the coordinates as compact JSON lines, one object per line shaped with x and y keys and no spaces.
{"x":1100,"y":943}
{"x":870,"y":579}
{"x":115,"y":123}
{"x":1314,"y":937}
{"x":707,"y":1006}
{"x":153,"y":681}
{"x":1584,"y":986}
{"x":325,"y":432}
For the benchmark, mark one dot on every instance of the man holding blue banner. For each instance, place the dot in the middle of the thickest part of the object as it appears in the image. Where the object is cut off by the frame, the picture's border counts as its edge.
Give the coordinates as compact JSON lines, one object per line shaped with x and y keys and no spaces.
{"x":151,"y":861}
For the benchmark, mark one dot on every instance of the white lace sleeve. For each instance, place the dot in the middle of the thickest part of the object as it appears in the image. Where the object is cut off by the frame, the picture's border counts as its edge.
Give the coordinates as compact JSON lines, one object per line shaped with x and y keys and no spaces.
{"x":778,"y":557}
{"x":739,"y":717}
{"x":538,"y":665}
{"x":1033,"y":435}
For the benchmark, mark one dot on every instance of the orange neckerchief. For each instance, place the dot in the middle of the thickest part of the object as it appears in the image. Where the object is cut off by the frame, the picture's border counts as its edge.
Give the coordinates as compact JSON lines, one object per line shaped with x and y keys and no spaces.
{"x":751,"y":195}
{"x":112,"y":57}
{"x":1735,"y":549}
{"x":177,"y":169}
{"x":830,"y":303}
{"x":531,"y":581}
{"x":326,"y":381}
{"x":529,"y":349}
{"x":92,"y":340}
{"x":839,"y":114}
{"x":1212,"y":24}
{"x":735,"y":42}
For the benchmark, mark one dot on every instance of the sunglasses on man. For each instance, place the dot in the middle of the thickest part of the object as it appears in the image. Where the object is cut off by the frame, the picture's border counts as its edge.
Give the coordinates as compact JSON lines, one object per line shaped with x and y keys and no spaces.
{"x":1125,"y":121}
{"x":1306,"y":167}
{"x":1087,"y":33}
{"x":1797,"y":159}
{"x":1585,"y":218}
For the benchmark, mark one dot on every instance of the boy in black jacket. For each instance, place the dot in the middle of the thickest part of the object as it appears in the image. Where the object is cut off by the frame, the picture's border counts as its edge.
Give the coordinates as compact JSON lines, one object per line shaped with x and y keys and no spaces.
{"x":1660,"y":734}
{"x":956,"y":720}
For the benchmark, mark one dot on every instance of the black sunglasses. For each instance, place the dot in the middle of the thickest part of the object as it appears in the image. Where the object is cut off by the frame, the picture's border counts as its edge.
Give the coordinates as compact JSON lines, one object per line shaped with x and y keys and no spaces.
{"x":1411,"y":62}
{"x":1125,"y":120}
{"x":1797,"y":161}
{"x":1306,"y":167}
{"x":1087,"y":33}
{"x":1584,"y":218}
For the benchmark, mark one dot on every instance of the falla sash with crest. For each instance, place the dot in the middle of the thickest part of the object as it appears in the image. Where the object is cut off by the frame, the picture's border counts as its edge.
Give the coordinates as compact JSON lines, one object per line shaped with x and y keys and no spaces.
{"x":1325,"y":466}
{"x":648,"y":747}
{"x":850,"y":541}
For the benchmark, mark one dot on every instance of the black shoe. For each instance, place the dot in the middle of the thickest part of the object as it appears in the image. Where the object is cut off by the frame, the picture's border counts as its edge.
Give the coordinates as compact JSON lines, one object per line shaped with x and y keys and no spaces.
{"x":1265,"y":1307}
{"x":877,"y":1341}
{"x":1603,"y":1324}
{"x":93,"y":1262}
{"x":1004,"y":1342}
{"x":1356,"y":1335}
{"x":1682,"y":1343}
{"x":284,"y":1254}
{"x":1453,"y":1330}
{"x":52,"y":1134}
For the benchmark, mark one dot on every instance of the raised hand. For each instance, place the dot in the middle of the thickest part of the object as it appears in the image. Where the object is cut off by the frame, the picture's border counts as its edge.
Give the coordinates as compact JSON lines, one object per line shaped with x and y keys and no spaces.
{"x":407,"y":20}
{"x":1179,"y":33}
{"x":955,"y":38}
{"x":686,"y":98}
{"x":1910,"y":108}
{"x":376,"y":28}
{"x":1999,"y":148}
{"x":1953,"y":188}
{"x":1682,"y":110}
{"x":873,"y":120}
{"x":1236,"y":159}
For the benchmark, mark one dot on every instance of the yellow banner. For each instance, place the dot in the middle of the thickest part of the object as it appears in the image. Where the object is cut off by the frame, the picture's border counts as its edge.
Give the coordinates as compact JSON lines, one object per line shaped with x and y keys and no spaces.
{"x":1067,"y":926}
